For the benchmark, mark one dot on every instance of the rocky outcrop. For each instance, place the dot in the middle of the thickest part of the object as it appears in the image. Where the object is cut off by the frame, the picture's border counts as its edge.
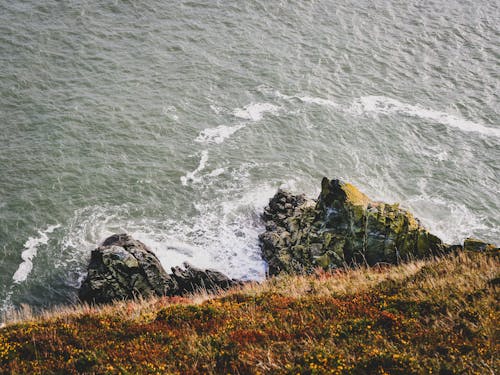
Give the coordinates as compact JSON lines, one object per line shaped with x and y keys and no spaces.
{"x":343,"y":226}
{"x":124,"y":268}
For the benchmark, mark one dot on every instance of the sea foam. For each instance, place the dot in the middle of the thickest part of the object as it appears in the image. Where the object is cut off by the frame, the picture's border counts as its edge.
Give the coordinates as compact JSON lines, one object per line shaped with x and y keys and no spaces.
{"x":450,"y":221}
{"x":252,"y":112}
{"x":255,"y":111}
{"x":308,"y":99}
{"x":193,"y":176}
{"x":318,"y":101}
{"x":222,"y":234}
{"x":217,"y":134}
{"x":386,"y":105}
{"x":30,"y":251}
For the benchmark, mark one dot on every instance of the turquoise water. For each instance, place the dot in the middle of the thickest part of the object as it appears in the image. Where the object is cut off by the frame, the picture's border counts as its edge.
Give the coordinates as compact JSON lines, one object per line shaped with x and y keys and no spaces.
{"x":177,"y":122}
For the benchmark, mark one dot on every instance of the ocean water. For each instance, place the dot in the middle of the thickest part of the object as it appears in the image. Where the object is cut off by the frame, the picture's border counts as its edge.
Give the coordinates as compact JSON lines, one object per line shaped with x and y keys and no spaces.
{"x":177,"y":121}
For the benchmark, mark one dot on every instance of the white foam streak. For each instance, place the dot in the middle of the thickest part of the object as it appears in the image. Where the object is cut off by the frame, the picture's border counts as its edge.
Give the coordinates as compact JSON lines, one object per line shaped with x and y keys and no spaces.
{"x":216,"y":172}
{"x":385,"y":105}
{"x":31,"y":247}
{"x":255,"y":111}
{"x":192,"y":176}
{"x":308,"y":99}
{"x":217,"y":134}
{"x":318,"y":101}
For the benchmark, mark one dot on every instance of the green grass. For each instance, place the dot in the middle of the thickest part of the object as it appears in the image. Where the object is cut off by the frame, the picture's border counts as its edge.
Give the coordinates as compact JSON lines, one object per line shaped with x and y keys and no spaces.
{"x":437,"y":316}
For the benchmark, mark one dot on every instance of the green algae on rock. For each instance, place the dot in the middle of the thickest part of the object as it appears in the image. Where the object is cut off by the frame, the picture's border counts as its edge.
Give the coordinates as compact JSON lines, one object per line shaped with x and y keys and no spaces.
{"x":343,"y":226}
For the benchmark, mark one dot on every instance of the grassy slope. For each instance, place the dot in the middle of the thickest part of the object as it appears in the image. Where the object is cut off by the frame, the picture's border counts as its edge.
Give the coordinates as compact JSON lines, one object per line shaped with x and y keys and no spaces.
{"x":437,"y":316}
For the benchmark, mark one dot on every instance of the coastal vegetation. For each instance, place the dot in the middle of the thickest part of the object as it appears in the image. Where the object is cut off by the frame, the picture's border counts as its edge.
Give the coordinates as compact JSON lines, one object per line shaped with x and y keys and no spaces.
{"x":437,"y":315}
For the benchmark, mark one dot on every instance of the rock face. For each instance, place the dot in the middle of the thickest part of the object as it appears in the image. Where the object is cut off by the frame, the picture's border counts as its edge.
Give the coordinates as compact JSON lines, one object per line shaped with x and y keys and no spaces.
{"x":192,"y":280}
{"x":343,"y":226}
{"x":124,"y":268}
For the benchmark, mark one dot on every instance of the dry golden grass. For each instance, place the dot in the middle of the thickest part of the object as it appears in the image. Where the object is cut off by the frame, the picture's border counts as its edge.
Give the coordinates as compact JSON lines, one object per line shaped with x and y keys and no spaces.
{"x":432,"y":316}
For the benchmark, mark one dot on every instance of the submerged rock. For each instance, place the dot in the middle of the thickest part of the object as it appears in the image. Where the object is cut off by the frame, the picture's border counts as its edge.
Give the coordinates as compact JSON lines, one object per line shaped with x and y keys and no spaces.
{"x":343,"y":226}
{"x":124,"y":268}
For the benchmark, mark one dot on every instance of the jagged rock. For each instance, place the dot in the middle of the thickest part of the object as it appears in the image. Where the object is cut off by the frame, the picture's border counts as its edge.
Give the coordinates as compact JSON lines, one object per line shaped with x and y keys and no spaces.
{"x":192,"y":280}
{"x":124,"y":268}
{"x":343,"y":226}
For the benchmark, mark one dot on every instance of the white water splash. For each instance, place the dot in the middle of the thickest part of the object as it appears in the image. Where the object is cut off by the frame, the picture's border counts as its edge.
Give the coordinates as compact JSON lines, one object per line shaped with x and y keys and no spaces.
{"x":222,"y":235}
{"x":255,"y":111}
{"x":385,"y":105}
{"x":226,"y":231}
{"x":170,"y":250}
{"x":31,"y":248}
{"x":450,"y":221}
{"x":192,"y":176}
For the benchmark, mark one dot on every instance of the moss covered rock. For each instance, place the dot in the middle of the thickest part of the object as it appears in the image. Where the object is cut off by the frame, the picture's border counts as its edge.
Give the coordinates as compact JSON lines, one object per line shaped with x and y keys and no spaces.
{"x":343,"y":226}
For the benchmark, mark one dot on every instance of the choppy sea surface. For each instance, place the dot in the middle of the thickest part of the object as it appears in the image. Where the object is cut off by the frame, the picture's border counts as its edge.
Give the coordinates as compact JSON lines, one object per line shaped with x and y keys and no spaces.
{"x":177,"y":121}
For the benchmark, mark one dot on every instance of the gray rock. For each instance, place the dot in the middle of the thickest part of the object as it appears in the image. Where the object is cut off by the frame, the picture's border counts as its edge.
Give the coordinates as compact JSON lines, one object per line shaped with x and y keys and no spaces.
{"x":192,"y":280}
{"x":342,"y":227}
{"x":124,"y":268}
